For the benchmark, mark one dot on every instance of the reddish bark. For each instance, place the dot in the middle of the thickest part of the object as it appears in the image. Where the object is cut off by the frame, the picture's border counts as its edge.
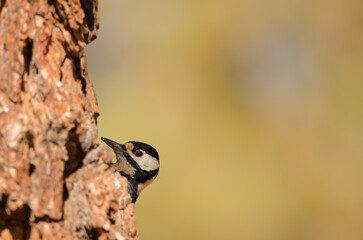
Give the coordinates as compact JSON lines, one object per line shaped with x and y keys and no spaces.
{"x":54,"y":182}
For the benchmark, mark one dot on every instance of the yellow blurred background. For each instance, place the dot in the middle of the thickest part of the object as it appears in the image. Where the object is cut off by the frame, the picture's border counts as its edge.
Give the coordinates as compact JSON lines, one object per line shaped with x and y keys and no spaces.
{"x":255,"y":107}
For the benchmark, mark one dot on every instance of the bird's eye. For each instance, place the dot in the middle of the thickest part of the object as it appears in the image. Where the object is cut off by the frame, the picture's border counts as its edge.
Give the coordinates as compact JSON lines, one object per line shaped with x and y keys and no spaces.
{"x":138,"y":153}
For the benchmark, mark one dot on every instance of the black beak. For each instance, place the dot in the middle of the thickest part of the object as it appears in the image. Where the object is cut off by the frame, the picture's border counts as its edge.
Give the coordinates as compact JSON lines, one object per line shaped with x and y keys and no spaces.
{"x":114,"y":145}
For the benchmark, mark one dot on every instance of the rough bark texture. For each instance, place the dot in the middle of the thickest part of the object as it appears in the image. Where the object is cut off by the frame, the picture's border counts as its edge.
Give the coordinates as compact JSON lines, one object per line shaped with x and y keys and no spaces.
{"x":54,"y":182}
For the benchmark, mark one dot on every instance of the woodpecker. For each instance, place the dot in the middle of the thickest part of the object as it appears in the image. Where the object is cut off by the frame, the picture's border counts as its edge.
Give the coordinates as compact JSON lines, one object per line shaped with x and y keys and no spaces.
{"x":138,"y":162}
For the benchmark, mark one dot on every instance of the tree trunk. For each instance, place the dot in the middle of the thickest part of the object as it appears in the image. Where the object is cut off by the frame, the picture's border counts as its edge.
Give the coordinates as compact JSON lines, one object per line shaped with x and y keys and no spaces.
{"x":54,"y":182}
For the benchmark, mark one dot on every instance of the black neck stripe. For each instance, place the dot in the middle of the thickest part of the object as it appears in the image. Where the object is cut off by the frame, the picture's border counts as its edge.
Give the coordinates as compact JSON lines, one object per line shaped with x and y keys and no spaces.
{"x":128,"y":177}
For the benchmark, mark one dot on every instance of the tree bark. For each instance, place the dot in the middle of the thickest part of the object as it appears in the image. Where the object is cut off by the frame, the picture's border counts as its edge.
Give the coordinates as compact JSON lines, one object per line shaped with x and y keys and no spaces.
{"x":54,"y":182}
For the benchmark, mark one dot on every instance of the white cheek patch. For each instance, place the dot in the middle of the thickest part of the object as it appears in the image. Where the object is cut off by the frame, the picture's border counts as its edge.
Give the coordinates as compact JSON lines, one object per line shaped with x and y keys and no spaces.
{"x":147,"y":162}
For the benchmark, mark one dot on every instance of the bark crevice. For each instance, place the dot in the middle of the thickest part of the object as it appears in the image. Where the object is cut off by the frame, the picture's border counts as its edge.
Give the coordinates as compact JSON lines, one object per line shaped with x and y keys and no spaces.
{"x":2,"y":2}
{"x":88,"y":9}
{"x":75,"y":153}
{"x":17,"y":222}
{"x":27,"y":53}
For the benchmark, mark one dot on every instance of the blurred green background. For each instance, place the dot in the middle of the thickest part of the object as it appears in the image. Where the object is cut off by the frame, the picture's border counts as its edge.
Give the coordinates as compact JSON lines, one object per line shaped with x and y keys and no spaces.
{"x":255,"y":108}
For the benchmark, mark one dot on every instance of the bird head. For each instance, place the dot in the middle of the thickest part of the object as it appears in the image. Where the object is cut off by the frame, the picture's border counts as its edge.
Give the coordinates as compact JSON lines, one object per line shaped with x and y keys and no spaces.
{"x":137,"y":161}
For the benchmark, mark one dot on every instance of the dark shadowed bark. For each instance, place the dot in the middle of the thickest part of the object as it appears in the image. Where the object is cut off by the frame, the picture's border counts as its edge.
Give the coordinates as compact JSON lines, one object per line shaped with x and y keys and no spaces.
{"x":54,"y":182}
